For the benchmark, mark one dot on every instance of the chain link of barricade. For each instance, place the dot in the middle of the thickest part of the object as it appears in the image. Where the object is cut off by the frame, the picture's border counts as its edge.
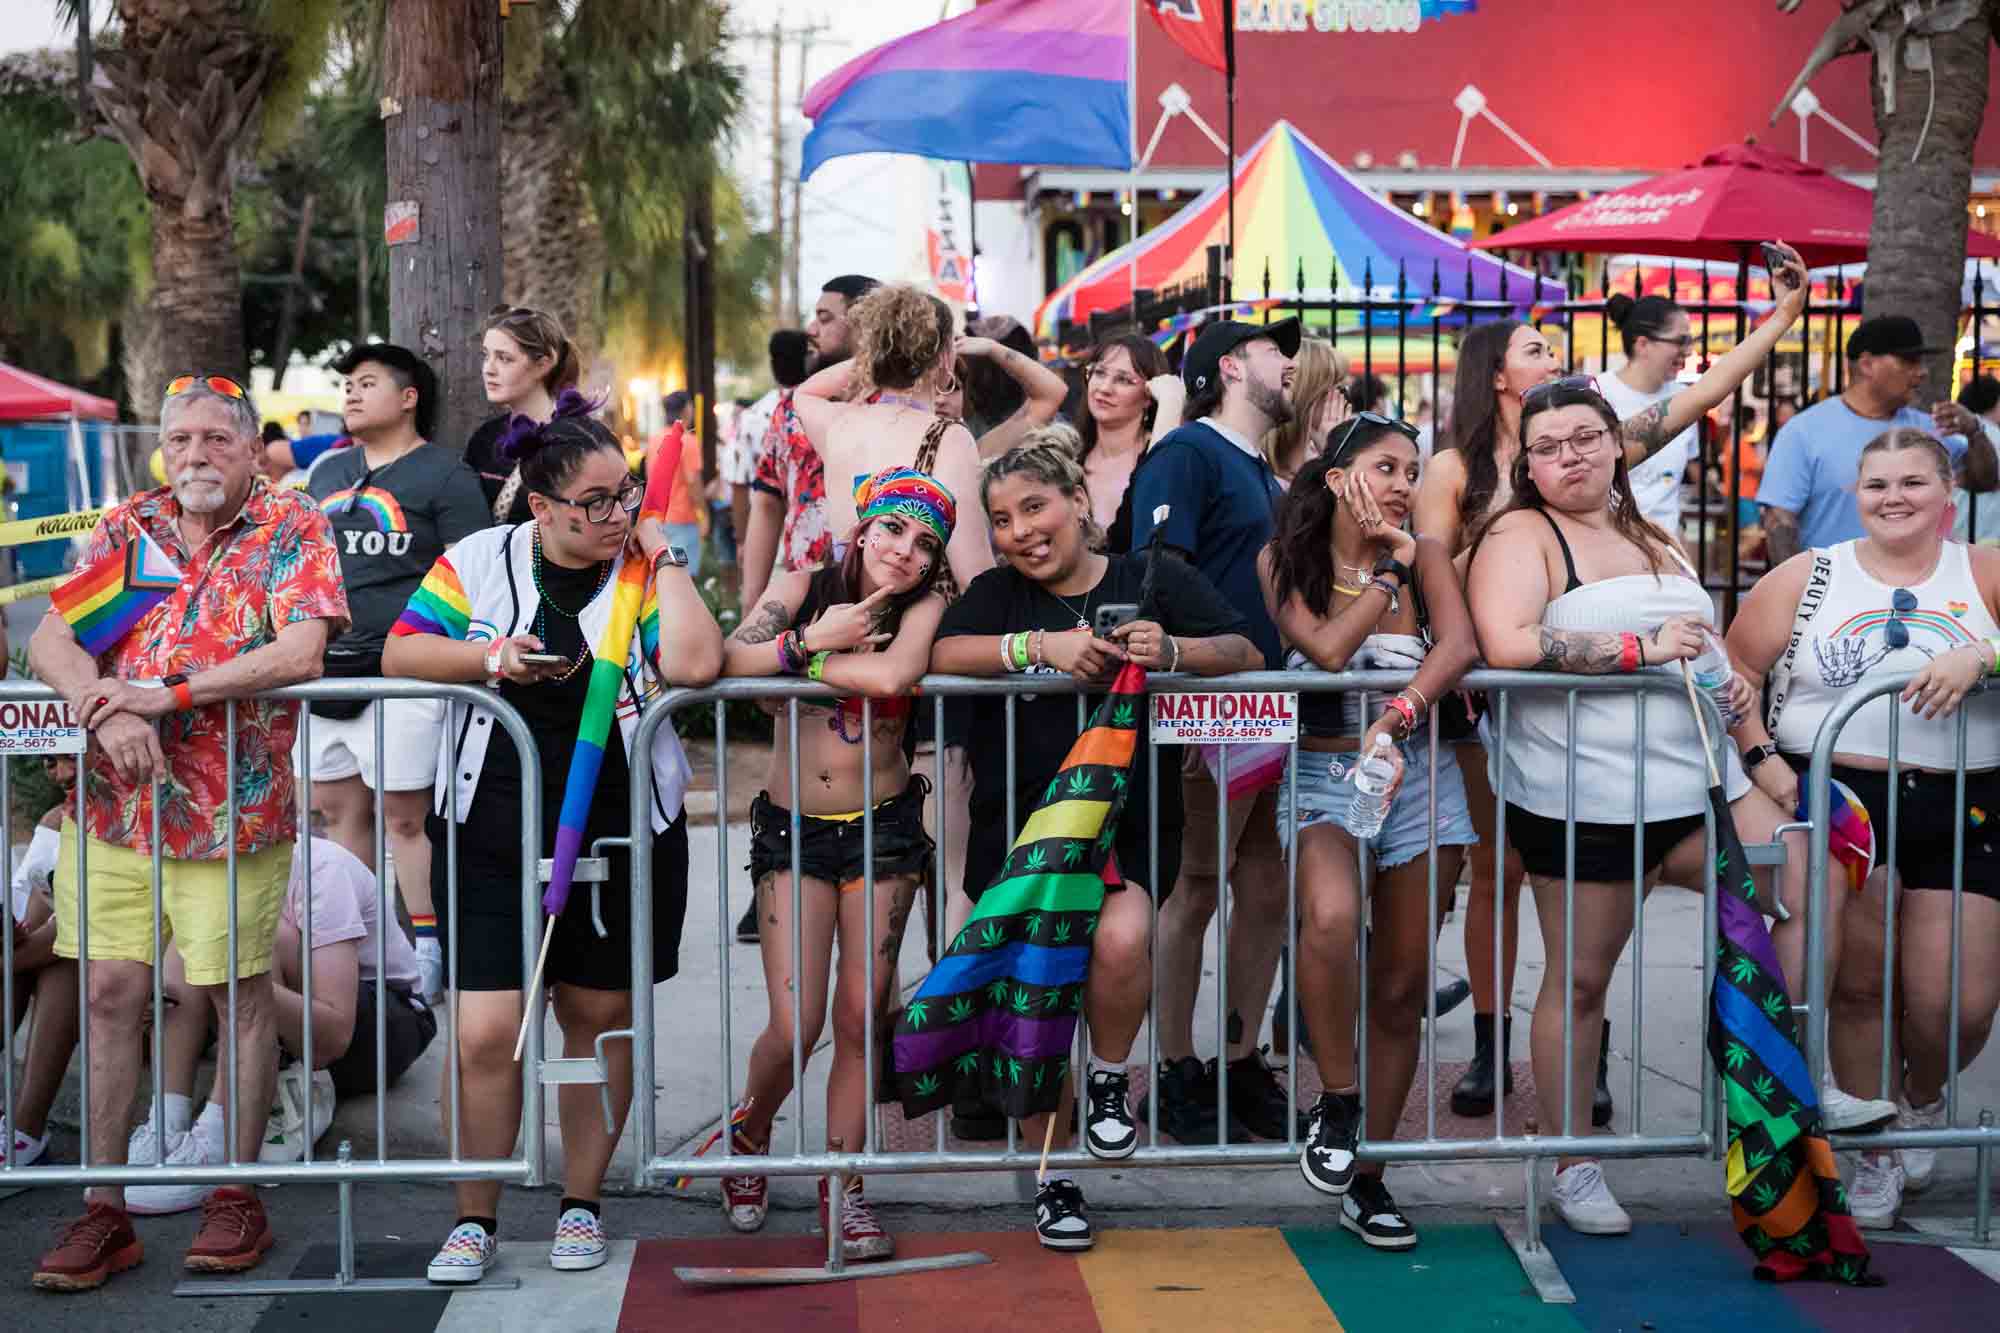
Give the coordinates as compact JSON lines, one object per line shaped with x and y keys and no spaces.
{"x":1523,"y":1143}
{"x":1981,"y":1137}
{"x":40,"y":707}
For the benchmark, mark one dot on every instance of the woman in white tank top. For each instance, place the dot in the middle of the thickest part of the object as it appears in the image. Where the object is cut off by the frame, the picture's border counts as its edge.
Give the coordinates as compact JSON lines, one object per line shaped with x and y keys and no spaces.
{"x":1901,"y":599}
{"x":1572,"y":579}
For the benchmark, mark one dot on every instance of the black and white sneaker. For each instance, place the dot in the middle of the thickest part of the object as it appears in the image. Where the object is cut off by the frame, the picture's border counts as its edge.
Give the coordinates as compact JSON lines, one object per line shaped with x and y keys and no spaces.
{"x":1060,"y":1221}
{"x":1110,"y":1132}
{"x":1327,"y":1161}
{"x":1368,"y":1211}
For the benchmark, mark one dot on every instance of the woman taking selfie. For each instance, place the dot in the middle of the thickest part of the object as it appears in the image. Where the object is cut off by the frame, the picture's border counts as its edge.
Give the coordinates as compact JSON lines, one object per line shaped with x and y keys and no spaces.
{"x":518,"y":608}
{"x":1350,"y":590}
{"x":864,"y":625}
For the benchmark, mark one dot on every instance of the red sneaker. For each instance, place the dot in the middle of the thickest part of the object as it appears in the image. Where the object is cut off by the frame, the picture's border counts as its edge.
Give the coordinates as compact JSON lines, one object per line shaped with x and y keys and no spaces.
{"x":746,"y":1200}
{"x":861,"y":1236}
{"x":234,"y":1233}
{"x":92,"y":1248}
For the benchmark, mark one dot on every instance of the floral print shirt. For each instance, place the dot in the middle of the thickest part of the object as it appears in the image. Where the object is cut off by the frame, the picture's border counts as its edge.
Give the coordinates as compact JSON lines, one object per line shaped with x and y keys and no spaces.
{"x":790,"y":468}
{"x":274,"y":566}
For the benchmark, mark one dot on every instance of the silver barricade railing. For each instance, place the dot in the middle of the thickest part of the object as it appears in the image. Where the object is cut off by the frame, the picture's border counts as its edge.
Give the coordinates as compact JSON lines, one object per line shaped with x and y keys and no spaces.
{"x":1983,"y":1137}
{"x":652,"y":1168}
{"x":465,"y":706}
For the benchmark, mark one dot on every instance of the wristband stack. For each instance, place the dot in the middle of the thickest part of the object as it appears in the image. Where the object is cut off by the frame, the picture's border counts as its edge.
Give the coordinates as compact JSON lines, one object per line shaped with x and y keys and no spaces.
{"x":793,"y":659}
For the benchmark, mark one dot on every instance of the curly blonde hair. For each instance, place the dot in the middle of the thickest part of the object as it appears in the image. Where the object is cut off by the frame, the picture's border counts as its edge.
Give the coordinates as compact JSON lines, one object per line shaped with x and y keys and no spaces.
{"x":900,"y":333}
{"x":1051,"y":456}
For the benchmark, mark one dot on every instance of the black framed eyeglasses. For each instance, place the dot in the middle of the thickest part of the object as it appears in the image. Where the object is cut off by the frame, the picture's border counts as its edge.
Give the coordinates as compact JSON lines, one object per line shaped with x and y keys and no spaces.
{"x":1685,"y":341}
{"x":1531,"y":400}
{"x":1901,"y":603}
{"x":1403,"y":428}
{"x":598,"y":509}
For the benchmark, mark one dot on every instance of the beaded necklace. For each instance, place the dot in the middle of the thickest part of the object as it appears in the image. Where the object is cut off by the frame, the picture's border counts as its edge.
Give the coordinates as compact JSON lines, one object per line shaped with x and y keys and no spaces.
{"x":544,"y":603}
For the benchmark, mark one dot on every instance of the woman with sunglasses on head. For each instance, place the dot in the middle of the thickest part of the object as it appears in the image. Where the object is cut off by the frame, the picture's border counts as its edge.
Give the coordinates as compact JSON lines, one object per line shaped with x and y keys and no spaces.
{"x":1130,"y":401}
{"x":520,"y":608}
{"x":1570,"y":578}
{"x":1469,"y":480}
{"x":1351,"y":590}
{"x":1902,"y":598}
{"x":864,"y":625}
{"x":526,"y":361}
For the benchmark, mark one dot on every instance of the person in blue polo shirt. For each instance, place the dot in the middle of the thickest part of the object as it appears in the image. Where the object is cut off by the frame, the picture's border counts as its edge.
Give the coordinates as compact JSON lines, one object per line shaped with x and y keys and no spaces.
{"x":1220,"y":497}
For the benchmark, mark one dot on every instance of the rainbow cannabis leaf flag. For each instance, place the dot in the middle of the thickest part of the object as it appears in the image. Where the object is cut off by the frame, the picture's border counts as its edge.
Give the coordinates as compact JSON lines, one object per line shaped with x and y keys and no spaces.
{"x":607,"y":677}
{"x":102,"y":602}
{"x":1785,"y":1189}
{"x":997,"y":1015}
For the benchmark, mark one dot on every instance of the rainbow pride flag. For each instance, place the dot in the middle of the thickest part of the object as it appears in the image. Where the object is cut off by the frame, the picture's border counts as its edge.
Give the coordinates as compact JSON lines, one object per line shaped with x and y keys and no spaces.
{"x":998,"y":1013}
{"x":607,"y":676}
{"x":102,"y":602}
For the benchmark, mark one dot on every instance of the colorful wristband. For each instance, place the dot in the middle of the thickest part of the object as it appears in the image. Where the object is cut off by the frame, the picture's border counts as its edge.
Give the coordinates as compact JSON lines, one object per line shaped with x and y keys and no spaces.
{"x":816,"y":669}
{"x":1628,"y":652}
{"x":1407,"y":710}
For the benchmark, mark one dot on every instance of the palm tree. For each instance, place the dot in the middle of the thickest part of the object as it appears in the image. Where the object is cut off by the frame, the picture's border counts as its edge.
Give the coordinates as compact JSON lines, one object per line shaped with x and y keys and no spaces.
{"x":185,"y":88}
{"x":1926,"y":121}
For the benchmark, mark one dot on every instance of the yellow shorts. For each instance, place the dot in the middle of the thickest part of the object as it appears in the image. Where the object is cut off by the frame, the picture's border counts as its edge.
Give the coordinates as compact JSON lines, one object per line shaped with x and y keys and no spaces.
{"x":194,"y":907}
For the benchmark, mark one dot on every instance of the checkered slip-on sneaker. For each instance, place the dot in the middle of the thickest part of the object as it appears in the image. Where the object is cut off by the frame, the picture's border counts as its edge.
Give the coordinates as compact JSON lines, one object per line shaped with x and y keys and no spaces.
{"x":579,"y":1243}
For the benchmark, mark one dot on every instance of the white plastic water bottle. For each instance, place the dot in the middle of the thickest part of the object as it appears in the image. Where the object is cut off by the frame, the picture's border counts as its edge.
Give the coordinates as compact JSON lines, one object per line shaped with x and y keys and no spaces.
{"x":1712,"y":672}
{"x":1373,"y":777}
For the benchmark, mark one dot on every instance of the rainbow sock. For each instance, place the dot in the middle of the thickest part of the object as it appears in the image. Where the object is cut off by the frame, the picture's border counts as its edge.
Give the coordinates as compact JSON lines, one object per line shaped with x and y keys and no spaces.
{"x":423,"y":927}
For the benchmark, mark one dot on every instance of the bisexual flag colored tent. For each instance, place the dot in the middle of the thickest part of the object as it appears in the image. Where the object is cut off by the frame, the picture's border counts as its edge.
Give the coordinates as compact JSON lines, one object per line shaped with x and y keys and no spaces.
{"x":1296,"y":207}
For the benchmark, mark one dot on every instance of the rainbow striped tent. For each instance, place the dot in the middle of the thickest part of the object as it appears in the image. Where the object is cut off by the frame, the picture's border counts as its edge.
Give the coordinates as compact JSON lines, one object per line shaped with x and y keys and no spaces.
{"x":1295,"y":206}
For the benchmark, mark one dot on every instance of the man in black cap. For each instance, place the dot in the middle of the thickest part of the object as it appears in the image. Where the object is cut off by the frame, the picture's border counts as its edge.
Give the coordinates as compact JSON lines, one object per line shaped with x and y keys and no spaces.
{"x":1208,"y":490}
{"x":396,"y":501}
{"x":1807,"y":491}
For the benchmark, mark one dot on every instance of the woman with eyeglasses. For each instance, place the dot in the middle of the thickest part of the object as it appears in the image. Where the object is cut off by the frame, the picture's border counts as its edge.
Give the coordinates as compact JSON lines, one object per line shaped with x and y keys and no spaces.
{"x":1469,"y":480}
{"x":521,"y":608}
{"x":865,"y":625}
{"x":526,"y":361}
{"x":1130,"y":401}
{"x":1901,"y":598}
{"x":1655,"y":333}
{"x":1571,"y":578}
{"x":1351,"y":590}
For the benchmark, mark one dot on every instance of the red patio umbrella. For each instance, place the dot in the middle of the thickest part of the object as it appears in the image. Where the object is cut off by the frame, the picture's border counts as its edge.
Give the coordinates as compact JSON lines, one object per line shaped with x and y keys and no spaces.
{"x":1720,"y":208}
{"x":25,"y":396}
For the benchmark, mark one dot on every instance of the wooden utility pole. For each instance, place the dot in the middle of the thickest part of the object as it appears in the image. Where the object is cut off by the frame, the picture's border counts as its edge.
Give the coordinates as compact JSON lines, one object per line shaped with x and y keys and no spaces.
{"x":441,"y":106}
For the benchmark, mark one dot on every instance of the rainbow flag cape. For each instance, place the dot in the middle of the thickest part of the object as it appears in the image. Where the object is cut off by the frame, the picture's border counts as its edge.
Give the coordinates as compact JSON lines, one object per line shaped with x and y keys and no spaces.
{"x":1785,"y":1190}
{"x":997,"y":1015}
{"x":607,"y":676}
{"x":103,"y":601}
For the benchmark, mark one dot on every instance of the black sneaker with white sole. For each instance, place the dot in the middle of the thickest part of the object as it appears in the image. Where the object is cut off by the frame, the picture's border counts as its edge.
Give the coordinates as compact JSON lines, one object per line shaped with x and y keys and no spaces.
{"x":1370,"y":1213}
{"x":1110,"y":1133}
{"x":1332,"y":1136}
{"x":1060,"y":1222}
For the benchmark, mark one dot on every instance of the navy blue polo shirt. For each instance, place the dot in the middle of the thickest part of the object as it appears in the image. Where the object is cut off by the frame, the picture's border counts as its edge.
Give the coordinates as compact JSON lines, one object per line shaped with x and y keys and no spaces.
{"x":1224,"y":502}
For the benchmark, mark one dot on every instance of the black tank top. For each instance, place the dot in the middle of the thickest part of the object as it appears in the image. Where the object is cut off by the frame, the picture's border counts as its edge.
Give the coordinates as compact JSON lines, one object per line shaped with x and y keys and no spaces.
{"x":1569,"y":562}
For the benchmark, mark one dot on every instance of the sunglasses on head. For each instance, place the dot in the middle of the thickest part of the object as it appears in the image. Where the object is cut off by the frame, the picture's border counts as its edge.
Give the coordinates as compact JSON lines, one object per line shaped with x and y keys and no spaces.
{"x":1359,"y":419}
{"x":221,"y":384}
{"x":1896,"y":633}
{"x":1573,"y":383}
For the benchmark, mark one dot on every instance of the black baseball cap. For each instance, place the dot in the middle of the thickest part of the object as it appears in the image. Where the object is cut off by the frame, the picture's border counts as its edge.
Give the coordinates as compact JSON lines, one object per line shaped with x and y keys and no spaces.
{"x":1888,"y":335}
{"x":405,"y":363}
{"x":1198,"y":368}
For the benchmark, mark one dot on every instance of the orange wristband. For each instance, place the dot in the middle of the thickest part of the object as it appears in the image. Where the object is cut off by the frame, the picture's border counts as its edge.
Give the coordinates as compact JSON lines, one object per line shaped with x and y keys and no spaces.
{"x":184,"y":695}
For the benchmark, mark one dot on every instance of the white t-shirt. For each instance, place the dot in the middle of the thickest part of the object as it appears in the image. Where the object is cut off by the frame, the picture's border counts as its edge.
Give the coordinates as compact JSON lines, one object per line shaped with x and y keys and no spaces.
{"x":1656,"y":483}
{"x":344,"y":908}
{"x":36,"y":868}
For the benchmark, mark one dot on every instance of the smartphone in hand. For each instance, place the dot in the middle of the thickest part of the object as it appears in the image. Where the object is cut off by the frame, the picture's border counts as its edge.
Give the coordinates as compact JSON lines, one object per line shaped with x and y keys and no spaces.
{"x":1775,"y":261}
{"x":1113,"y":614}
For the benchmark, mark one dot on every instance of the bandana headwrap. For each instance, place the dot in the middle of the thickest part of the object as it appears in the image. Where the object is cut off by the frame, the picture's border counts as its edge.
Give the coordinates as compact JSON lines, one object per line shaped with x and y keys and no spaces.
{"x":908,"y":493}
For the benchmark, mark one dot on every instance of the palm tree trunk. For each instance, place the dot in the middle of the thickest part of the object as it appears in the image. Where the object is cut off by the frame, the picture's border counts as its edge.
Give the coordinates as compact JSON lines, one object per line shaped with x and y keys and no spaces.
{"x":1916,"y":252}
{"x":443,"y":84}
{"x":197,"y":294}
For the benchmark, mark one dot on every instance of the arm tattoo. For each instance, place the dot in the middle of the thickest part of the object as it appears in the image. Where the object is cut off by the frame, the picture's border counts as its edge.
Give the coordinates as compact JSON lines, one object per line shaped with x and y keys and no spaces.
{"x":1781,"y":534}
{"x":771,"y":620}
{"x":1647,"y":430}
{"x":1579,"y":653}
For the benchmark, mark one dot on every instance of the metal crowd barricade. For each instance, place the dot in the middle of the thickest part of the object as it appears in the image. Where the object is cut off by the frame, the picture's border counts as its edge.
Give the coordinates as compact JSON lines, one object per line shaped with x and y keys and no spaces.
{"x":464,"y":705}
{"x":651,"y":1168}
{"x":1982,"y":1137}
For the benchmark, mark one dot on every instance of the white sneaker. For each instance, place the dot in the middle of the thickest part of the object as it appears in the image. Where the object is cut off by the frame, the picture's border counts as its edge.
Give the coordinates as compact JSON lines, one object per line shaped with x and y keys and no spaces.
{"x":143,"y":1148}
{"x":1840,"y":1111}
{"x":1584,"y":1202}
{"x":579,"y":1243}
{"x":194,"y":1148}
{"x":27,"y":1151}
{"x":1919,"y":1164}
{"x":467,"y":1253}
{"x":285,"y":1133}
{"x":430,"y":969}
{"x":1876,"y":1195}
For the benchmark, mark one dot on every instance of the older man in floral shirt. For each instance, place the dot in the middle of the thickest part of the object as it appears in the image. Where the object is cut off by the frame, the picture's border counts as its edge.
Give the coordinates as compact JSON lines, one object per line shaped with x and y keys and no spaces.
{"x":259,"y":597}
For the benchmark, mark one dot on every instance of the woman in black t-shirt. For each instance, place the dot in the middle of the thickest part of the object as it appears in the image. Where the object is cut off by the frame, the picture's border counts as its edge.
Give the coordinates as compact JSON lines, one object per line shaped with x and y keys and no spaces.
{"x":525,"y":361}
{"x":1050,"y":589}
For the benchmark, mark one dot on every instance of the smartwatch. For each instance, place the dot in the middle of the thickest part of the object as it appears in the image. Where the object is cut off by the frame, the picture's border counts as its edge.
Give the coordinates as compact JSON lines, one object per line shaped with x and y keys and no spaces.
{"x":183,"y":694}
{"x":671,"y":555}
{"x":1757,"y":754}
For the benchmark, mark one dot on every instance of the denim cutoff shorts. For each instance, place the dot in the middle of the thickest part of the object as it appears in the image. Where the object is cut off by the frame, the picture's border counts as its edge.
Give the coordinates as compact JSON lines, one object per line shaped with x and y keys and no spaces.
{"x":1326,"y":796}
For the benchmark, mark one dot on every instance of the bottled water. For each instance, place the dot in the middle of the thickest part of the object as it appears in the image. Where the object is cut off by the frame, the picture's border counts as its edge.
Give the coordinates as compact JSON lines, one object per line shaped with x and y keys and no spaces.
{"x":1712,"y":672}
{"x":1373,"y":777}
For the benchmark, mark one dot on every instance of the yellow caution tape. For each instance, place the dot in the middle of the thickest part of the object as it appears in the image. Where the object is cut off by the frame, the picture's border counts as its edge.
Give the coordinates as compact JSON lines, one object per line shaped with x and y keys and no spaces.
{"x":24,"y":530}
{"x":21,"y":592}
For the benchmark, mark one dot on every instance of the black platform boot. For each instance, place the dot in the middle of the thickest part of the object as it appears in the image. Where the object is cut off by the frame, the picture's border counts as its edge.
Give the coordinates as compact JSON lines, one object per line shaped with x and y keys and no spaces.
{"x":1474,"y":1094}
